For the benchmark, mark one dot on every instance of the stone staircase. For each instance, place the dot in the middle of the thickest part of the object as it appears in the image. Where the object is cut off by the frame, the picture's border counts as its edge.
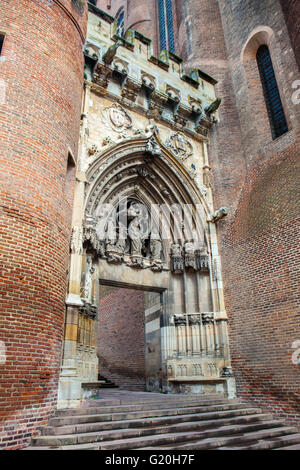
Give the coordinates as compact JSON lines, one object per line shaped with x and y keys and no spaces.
{"x":132,"y":420}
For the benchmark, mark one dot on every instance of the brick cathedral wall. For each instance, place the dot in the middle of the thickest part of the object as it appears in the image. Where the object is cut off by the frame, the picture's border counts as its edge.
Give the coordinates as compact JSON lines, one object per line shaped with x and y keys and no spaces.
{"x":261,"y":270}
{"x":291,"y":10}
{"x":42,"y":72}
{"x":121,"y":337}
{"x":258,"y":241}
{"x":256,"y":178}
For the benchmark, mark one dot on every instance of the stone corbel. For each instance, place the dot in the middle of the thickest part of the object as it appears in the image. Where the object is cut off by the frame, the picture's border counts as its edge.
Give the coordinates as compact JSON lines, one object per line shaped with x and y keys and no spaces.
{"x":130,"y":90}
{"x":173,"y":94}
{"x":120,"y":66}
{"x":156,"y":104}
{"x":148,"y":81}
{"x":102,"y":75}
{"x":195,"y":104}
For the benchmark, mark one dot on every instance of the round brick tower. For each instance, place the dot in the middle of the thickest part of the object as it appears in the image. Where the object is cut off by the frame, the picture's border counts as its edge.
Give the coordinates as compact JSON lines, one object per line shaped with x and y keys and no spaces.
{"x":40,"y":103}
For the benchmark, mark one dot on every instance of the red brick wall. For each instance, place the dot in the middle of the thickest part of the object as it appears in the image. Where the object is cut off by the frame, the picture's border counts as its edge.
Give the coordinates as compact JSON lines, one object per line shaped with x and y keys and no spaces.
{"x":261,"y":271}
{"x":121,"y":337}
{"x":42,"y":67}
{"x":291,"y":10}
{"x":258,"y":240}
{"x":256,"y":178}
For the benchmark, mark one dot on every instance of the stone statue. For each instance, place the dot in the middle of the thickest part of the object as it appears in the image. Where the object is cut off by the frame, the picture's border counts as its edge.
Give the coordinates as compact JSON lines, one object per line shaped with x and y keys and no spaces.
{"x":155,"y":246}
{"x":155,"y":250}
{"x":177,"y":264}
{"x":189,"y":255}
{"x":88,"y":281}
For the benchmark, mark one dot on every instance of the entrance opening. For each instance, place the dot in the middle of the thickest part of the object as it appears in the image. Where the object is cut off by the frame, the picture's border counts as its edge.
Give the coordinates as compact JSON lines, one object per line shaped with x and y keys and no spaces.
{"x":128,"y":348}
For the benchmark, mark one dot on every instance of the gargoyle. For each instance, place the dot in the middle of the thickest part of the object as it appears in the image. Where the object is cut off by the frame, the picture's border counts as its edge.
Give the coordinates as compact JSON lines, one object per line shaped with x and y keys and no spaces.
{"x":220,"y":214}
{"x":213,"y":107}
{"x":109,"y":55}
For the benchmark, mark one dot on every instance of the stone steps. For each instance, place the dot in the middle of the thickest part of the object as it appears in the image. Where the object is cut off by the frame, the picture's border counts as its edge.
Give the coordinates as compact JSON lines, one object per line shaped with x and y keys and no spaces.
{"x":206,"y":413}
{"x":227,"y":412}
{"x":258,"y":440}
{"x":141,"y":407}
{"x":165,"y":422}
{"x":120,"y":433}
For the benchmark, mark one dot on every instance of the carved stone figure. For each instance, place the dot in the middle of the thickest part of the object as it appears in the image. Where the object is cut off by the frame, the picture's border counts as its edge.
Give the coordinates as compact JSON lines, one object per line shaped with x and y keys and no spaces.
{"x":90,"y":236}
{"x":151,"y":129}
{"x":77,"y":240}
{"x":177,"y":264}
{"x":155,"y":250}
{"x":88,"y":281}
{"x":152,"y":148}
{"x":189,"y":255}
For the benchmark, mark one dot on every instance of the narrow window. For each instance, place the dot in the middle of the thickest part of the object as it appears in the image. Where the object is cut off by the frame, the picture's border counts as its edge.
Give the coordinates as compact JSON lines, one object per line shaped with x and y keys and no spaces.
{"x":1,"y":42}
{"x":275,"y":110}
{"x":166,"y":31}
{"x":120,"y":23}
{"x":70,"y":179}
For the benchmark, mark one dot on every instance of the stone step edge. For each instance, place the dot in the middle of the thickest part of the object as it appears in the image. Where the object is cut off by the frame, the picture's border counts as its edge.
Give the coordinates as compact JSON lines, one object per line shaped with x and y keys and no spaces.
{"x":143,"y":432}
{"x":146,"y":422}
{"x":56,"y":422}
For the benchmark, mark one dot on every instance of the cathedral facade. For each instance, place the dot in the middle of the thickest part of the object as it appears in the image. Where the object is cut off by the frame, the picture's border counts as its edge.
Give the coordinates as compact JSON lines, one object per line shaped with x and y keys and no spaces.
{"x":149,"y":203}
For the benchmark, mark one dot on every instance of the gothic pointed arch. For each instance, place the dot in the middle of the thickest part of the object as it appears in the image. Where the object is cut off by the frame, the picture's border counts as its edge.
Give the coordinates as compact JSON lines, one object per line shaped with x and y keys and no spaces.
{"x":143,"y":171}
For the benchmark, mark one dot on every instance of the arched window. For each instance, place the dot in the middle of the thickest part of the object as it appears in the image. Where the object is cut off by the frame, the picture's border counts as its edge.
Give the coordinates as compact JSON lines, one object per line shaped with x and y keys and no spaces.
{"x":120,"y":23}
{"x":272,"y":97}
{"x":166,"y":30}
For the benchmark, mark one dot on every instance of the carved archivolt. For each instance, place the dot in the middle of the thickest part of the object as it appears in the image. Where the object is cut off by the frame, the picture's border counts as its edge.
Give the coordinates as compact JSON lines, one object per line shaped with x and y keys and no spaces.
{"x":140,"y":170}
